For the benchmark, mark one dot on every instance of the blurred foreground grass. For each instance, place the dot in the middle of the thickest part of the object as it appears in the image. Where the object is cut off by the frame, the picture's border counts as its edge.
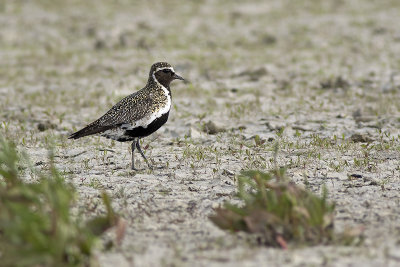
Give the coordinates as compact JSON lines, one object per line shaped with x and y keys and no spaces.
{"x":36,"y":225}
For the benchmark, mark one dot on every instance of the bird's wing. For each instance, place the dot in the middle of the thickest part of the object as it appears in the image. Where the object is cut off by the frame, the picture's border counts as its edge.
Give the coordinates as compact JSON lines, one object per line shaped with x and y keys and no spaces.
{"x":129,"y":110}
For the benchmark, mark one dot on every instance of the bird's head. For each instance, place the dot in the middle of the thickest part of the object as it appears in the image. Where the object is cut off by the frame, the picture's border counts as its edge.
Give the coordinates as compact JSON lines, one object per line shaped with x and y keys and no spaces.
{"x":163,"y":73}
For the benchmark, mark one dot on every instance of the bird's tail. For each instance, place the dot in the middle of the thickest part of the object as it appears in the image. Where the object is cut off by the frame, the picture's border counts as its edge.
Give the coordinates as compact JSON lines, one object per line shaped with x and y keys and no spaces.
{"x":89,"y":130}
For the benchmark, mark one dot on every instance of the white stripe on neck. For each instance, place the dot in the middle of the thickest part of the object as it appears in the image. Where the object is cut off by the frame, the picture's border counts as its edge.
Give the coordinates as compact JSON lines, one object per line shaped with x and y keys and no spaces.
{"x":158,"y":69}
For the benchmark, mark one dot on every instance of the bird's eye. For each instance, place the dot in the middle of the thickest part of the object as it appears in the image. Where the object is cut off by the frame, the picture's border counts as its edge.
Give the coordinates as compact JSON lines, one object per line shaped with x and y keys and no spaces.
{"x":167,"y":71}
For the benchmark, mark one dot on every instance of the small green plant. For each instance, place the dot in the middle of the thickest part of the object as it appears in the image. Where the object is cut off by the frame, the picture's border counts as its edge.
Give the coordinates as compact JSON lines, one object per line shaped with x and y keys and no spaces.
{"x":36,"y":226}
{"x":278,"y":210}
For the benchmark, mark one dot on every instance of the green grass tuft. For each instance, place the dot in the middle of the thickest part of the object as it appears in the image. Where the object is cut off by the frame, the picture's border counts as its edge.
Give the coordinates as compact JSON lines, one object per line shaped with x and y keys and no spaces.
{"x":278,"y":210}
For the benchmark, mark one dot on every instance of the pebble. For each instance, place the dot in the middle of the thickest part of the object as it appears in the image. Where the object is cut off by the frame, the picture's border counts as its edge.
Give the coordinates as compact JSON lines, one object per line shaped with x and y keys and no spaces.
{"x":211,"y":128}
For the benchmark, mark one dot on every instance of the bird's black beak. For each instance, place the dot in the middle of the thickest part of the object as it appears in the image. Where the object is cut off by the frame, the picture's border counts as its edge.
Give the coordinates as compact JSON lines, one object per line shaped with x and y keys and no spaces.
{"x":177,"y":77}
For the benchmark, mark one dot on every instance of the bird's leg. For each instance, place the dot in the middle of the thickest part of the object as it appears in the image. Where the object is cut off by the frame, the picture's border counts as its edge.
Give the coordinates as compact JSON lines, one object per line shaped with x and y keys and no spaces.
{"x":133,"y":157}
{"x":141,"y":153}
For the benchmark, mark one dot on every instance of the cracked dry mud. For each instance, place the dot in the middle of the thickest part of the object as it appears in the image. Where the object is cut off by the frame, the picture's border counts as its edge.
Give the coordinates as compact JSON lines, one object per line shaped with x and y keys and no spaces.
{"x":321,"y":79}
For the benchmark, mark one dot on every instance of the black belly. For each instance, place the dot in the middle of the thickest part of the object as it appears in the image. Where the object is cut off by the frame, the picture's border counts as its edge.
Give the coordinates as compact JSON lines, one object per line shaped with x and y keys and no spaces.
{"x":130,"y":135}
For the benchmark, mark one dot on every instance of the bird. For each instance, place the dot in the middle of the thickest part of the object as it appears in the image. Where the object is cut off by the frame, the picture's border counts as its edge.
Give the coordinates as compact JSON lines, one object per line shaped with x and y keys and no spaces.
{"x":137,"y":115}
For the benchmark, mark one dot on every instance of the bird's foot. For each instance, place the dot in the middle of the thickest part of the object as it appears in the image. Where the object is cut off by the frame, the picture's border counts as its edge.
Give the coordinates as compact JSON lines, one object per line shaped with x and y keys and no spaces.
{"x":135,"y":169}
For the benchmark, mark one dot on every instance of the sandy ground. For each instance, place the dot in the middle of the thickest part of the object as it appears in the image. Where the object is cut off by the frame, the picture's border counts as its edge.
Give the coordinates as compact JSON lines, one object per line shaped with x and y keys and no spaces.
{"x":320,"y":78}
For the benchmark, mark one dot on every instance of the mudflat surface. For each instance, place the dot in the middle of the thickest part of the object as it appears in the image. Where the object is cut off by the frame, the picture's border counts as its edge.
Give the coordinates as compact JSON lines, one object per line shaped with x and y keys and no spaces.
{"x":319,"y":78}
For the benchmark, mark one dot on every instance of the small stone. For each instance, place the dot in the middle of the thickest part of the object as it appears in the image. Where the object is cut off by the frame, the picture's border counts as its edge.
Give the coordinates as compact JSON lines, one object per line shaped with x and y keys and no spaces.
{"x":195,"y":134}
{"x":366,"y":204}
{"x":341,"y":116}
{"x":122,"y":40}
{"x":335,"y":83}
{"x":373,"y":182}
{"x":268,"y":39}
{"x":43,"y":126}
{"x":364,"y":118}
{"x":301,"y":128}
{"x":361,"y":116}
{"x":356,"y":176}
{"x":211,"y":128}
{"x":275,"y":126}
{"x":361,"y":138}
{"x":379,"y":30}
{"x":254,"y":74}
{"x":357,"y":113}
{"x":227,"y":172}
{"x":91,"y":31}
{"x":99,"y":44}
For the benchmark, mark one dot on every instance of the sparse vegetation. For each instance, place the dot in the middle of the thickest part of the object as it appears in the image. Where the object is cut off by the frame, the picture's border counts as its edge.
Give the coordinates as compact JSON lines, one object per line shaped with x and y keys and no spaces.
{"x":278,"y":211}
